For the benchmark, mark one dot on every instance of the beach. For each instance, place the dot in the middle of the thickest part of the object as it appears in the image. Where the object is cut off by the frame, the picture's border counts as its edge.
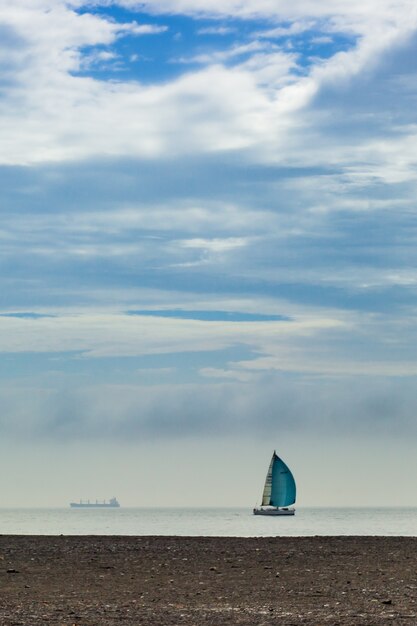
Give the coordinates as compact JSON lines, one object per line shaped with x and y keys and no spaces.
{"x":90,"y":580}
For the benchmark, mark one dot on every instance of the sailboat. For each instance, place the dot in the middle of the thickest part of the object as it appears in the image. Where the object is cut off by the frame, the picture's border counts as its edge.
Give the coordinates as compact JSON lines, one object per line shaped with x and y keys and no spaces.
{"x":279,"y":491}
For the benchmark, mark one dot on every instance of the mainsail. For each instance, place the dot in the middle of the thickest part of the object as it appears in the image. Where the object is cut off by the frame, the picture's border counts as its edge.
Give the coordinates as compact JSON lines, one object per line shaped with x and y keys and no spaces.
{"x":279,"y":487}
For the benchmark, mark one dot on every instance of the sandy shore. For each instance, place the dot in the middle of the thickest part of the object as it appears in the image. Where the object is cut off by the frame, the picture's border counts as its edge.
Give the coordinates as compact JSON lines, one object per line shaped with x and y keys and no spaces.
{"x":176,"y":580}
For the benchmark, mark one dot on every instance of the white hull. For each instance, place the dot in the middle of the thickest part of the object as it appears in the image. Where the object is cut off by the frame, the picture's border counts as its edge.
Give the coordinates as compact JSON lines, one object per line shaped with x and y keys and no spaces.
{"x":273,"y":511}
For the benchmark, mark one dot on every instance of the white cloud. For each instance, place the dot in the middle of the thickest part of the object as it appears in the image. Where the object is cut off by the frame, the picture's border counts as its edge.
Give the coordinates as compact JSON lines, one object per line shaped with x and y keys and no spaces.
{"x":296,"y":28}
{"x":322,"y":39}
{"x":216,"y":30}
{"x":99,"y":335}
{"x":353,"y":13}
{"x":221,"y":56}
{"x":284,"y":361}
{"x":261,"y":105}
{"x":231,"y":374}
{"x":215,"y":245}
{"x":325,"y":343}
{"x":147,"y":29}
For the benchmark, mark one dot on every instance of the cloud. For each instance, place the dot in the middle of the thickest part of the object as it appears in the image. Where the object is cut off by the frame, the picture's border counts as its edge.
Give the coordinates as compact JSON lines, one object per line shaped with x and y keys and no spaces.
{"x":372,"y":9}
{"x":264,"y":104}
{"x":222,"y":56}
{"x":274,"y":407}
{"x":147,"y":29}
{"x":295,"y":28}
{"x":299,"y":235}
{"x":216,"y":30}
{"x":214,"y":245}
{"x":99,"y":335}
{"x":304,"y":344}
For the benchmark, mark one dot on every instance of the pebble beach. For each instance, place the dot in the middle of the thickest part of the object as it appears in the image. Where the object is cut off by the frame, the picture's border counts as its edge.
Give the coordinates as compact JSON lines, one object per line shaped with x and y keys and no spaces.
{"x":141,"y":581}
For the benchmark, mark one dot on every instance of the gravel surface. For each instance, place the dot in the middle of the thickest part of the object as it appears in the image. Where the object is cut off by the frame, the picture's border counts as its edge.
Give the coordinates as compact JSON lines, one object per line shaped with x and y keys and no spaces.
{"x":143,"y":581}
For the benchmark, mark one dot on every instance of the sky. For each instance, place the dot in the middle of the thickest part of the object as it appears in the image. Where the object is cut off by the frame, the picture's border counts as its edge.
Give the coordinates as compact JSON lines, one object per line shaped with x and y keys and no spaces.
{"x":208,"y":250}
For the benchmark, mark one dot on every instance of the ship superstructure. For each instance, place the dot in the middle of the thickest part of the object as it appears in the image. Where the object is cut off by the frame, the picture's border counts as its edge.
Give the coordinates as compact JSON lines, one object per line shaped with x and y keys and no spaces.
{"x":98,"y":504}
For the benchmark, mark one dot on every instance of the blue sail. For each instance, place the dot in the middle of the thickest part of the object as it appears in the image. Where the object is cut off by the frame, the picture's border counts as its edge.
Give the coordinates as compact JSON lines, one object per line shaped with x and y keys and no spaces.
{"x":283,"y":488}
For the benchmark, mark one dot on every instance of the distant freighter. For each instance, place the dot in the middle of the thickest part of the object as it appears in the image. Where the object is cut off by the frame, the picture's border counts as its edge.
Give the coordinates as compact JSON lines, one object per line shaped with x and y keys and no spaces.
{"x":112,"y":503}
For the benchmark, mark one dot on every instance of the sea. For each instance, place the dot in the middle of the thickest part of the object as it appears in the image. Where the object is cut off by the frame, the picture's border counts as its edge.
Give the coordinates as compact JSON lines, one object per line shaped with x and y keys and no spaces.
{"x":209,"y":522}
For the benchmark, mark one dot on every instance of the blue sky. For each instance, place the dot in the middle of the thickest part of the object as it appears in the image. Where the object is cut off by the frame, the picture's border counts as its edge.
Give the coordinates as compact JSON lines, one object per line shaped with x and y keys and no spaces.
{"x":207,"y":239}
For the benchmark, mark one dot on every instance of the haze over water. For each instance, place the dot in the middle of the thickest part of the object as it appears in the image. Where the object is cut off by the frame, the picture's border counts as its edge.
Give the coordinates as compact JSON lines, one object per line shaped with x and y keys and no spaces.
{"x":233,"y":522}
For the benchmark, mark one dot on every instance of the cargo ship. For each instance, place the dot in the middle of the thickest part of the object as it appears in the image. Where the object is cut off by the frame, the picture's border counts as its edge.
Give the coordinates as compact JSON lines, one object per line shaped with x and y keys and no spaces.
{"x":87,"y":504}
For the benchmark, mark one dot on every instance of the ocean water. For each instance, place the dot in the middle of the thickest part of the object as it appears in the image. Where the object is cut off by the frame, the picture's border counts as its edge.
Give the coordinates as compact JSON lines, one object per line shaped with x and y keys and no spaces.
{"x":233,"y":522}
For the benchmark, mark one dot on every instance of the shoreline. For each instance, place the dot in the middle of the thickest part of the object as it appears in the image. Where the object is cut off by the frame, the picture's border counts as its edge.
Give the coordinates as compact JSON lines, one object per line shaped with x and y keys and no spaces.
{"x":169,"y":580}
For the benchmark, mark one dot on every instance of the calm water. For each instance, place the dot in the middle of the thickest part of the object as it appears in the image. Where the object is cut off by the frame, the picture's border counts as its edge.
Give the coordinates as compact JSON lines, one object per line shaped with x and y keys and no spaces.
{"x":208,"y":522}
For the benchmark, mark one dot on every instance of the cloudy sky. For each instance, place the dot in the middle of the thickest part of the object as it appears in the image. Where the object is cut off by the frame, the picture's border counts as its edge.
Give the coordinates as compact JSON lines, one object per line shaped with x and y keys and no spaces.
{"x":207,"y":248}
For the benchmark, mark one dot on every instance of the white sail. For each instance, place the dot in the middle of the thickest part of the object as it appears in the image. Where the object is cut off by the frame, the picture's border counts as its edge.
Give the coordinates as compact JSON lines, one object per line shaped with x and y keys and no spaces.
{"x":266,"y":496}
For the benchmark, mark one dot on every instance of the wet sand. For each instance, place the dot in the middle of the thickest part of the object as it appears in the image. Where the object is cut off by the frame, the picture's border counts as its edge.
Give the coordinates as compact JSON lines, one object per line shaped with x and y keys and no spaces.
{"x":203,"y":581}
